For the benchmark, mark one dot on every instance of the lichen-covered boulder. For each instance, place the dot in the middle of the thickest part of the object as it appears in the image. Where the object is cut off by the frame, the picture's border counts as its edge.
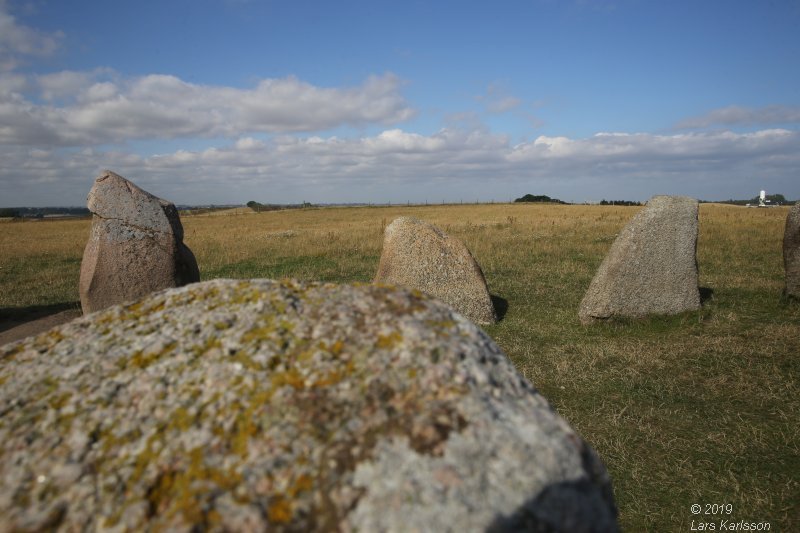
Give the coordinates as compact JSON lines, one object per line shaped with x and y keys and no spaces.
{"x":651,"y":269}
{"x":418,"y":255}
{"x":261,"y":405}
{"x":791,"y":252}
{"x":135,"y":246}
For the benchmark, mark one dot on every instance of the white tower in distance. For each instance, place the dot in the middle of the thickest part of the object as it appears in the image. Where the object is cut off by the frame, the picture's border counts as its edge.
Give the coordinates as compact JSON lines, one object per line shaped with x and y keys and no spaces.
{"x":761,"y":199}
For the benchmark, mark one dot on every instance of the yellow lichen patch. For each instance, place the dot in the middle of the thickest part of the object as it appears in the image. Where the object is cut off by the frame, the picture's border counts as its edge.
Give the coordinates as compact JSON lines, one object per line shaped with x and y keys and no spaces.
{"x":337,"y":347}
{"x":181,"y":419}
{"x":335,"y":376}
{"x":388,"y":341}
{"x":258,"y":333}
{"x":214,"y":519}
{"x":290,"y":377}
{"x":245,"y":293}
{"x":302,"y":484}
{"x":304,"y":356}
{"x":134,"y":308}
{"x":286,"y":326}
{"x":278,"y":306}
{"x":440,"y":325}
{"x":109,"y":441}
{"x":416,"y":293}
{"x":140,"y":360}
{"x":60,"y":401}
{"x":243,"y":429}
{"x":49,"y":384}
{"x":106,"y":319}
{"x":147,"y":456}
{"x":210,"y":344}
{"x":9,"y":355}
{"x":244,"y":426}
{"x":55,"y":336}
{"x":183,"y":490}
{"x":245,"y":360}
{"x":279,"y":511}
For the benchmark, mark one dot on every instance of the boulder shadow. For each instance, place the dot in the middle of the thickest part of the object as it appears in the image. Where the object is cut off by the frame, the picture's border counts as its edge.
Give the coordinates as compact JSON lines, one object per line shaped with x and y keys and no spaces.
{"x":564,"y":506}
{"x":11,"y":317}
{"x":500,"y":306}
{"x":706,"y":294}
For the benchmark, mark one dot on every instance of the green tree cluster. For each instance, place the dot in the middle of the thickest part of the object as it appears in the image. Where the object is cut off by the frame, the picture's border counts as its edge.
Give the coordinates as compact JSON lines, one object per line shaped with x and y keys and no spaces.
{"x":539,"y":198}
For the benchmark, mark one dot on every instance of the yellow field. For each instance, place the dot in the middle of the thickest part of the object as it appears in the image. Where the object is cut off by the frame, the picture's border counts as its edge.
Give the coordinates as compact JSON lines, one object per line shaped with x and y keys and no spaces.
{"x":698,"y":408}
{"x":40,"y":260}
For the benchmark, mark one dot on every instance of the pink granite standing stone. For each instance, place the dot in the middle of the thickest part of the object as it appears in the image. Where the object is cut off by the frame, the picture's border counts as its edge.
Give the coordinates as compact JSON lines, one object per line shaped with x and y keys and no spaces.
{"x":135,"y":247}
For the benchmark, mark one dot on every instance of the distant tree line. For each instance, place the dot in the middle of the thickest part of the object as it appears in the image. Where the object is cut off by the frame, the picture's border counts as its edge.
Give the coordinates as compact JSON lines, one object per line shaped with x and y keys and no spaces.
{"x":539,"y":199}
{"x":619,"y":202}
{"x":258,"y":206}
{"x":41,"y":212}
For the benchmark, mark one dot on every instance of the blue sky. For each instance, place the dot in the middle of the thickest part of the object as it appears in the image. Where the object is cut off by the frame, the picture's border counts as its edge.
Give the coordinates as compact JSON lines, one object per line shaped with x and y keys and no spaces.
{"x":225,"y":101}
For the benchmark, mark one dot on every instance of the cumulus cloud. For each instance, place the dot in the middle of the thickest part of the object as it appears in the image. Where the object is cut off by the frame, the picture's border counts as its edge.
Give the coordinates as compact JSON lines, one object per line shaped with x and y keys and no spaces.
{"x":397,"y":164}
{"x":645,"y":147}
{"x":69,"y":85}
{"x":743,"y":116}
{"x":87,"y":108}
{"x":18,"y":41}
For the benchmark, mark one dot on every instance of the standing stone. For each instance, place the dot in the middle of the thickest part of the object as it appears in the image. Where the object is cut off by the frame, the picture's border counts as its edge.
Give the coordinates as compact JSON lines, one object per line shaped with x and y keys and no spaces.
{"x":791,"y":251}
{"x":651,"y":268}
{"x":418,"y":255}
{"x":260,"y":405}
{"x":135,"y":246}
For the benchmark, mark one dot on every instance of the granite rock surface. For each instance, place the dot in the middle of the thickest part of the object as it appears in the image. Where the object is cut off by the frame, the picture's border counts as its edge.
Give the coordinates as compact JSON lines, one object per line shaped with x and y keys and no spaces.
{"x":418,"y":255}
{"x":284,"y":406}
{"x":651,"y":268}
{"x":135,"y":246}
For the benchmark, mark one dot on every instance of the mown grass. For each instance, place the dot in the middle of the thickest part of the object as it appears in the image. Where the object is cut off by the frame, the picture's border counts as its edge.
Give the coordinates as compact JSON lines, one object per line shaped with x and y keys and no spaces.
{"x":696,"y":408}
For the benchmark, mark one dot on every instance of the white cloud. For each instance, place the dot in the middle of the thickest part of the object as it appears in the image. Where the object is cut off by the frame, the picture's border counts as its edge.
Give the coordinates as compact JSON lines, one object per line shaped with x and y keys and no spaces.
{"x":17,"y":40}
{"x":11,"y":82}
{"x":86,"y":108}
{"x":398,"y":165}
{"x":743,"y":116}
{"x":70,"y":85}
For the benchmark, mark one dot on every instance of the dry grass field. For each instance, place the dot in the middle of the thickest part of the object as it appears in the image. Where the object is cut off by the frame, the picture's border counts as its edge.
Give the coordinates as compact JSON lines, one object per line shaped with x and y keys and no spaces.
{"x":701,"y":408}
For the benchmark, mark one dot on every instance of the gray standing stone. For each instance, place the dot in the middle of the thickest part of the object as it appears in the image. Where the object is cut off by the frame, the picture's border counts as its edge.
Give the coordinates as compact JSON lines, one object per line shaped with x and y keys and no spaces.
{"x":135,"y":246}
{"x":418,"y":255}
{"x":651,"y":269}
{"x":791,"y":251}
{"x":275,"y":406}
